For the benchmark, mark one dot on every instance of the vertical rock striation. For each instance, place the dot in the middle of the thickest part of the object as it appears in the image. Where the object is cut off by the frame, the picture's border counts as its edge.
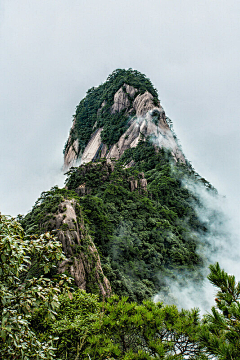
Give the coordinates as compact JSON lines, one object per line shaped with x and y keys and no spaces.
{"x":149,"y":122}
{"x":83,"y":261}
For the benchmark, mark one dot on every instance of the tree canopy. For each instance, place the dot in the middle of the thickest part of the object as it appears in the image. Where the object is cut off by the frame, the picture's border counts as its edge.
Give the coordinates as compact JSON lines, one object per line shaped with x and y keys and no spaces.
{"x":21,"y":294}
{"x":41,"y":319}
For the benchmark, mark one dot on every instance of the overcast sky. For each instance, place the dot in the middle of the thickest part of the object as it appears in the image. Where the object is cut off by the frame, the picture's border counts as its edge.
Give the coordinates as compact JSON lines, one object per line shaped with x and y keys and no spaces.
{"x":53,"y":51}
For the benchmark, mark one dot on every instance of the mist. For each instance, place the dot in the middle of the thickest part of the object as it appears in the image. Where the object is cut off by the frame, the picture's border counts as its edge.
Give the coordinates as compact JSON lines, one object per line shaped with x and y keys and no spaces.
{"x":219,"y":244}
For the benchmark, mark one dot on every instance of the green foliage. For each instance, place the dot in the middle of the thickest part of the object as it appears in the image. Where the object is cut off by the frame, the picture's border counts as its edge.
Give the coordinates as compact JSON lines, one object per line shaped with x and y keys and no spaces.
{"x":21,"y":295}
{"x":150,"y":330}
{"x":92,"y":175}
{"x":74,"y":323}
{"x":119,"y":329}
{"x":143,"y":222}
{"x":141,"y":236}
{"x":40,"y":319}
{"x":114,"y":125}
{"x":221,"y":334}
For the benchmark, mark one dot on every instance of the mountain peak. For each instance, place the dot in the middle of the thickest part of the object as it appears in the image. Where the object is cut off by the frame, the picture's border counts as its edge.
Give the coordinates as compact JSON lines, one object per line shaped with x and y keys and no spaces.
{"x":115,"y":116}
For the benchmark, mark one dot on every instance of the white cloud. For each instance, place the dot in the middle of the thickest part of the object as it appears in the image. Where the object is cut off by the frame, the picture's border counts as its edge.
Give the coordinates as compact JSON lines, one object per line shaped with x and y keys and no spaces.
{"x":223,"y":247}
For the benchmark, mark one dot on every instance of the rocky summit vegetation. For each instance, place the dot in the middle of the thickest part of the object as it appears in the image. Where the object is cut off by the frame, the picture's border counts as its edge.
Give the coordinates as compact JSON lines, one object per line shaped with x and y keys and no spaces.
{"x":79,"y":272}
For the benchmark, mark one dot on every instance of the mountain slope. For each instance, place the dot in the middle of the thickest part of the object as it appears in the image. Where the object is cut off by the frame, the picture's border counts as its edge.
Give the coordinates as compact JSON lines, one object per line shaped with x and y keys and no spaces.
{"x":133,"y":222}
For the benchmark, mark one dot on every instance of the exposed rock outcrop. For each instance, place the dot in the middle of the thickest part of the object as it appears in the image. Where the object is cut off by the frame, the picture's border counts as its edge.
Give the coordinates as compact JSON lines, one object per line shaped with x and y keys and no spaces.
{"x":82,"y":190}
{"x":83,"y":261}
{"x":143,"y":103}
{"x":152,"y":125}
{"x":72,"y":149}
{"x":121,"y":101}
{"x":149,"y":122}
{"x":72,"y":155}
{"x":139,"y":184}
{"x":130,"y":90}
{"x":92,"y":147}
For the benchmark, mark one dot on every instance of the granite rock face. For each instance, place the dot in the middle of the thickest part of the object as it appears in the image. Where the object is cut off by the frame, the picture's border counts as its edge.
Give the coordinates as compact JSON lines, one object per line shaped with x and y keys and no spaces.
{"x":159,"y":133}
{"x":71,"y":155}
{"x":92,"y":147}
{"x":146,"y":119}
{"x":121,"y":101}
{"x":83,"y":261}
{"x":143,"y":103}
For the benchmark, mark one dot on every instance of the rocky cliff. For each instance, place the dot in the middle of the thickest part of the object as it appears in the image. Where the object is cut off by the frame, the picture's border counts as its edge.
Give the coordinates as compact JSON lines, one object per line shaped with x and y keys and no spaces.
{"x":83,"y":261}
{"x":144,"y":118}
{"x":64,"y":216}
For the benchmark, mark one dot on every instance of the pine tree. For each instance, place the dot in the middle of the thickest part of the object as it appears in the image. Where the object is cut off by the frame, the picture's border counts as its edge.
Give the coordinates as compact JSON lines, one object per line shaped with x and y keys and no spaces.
{"x":221,"y":334}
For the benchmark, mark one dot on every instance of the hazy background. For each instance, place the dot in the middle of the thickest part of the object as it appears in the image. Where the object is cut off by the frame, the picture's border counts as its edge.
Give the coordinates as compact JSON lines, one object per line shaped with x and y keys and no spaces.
{"x":53,"y":51}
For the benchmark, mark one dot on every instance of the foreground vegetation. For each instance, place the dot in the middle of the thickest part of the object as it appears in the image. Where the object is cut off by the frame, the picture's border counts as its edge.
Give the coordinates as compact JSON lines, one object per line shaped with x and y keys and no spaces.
{"x":44,"y":318}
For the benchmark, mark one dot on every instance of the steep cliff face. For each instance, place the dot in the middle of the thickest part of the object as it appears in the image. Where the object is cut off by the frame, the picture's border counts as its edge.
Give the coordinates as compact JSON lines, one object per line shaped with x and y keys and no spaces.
{"x":83,"y":261}
{"x":152,"y":125}
{"x":65,"y":218}
{"x":71,"y":154}
{"x":143,"y":118}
